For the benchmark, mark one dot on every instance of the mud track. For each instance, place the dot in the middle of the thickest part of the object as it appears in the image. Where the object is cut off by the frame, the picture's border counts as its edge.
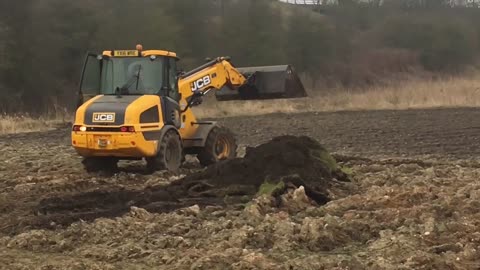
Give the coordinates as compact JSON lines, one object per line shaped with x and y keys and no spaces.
{"x":419,"y":164}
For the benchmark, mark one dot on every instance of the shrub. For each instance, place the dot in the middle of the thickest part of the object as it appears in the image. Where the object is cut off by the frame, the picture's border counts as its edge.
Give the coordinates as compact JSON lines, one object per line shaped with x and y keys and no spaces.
{"x":443,"y":45}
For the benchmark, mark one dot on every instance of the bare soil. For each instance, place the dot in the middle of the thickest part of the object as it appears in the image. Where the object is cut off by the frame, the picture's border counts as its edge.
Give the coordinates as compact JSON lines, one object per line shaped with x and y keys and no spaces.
{"x":412,"y":203}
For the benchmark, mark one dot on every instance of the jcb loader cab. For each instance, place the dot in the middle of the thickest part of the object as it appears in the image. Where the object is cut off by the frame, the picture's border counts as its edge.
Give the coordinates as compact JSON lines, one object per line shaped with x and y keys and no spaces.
{"x":132,"y":105}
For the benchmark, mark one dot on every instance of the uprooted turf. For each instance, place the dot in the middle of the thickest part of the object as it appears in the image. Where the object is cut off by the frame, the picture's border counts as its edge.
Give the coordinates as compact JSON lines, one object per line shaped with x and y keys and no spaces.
{"x":284,"y":161}
{"x":283,"y":164}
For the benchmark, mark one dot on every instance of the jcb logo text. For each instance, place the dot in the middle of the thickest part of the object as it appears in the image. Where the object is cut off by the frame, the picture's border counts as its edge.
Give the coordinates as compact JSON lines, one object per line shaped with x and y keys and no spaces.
{"x":103,"y":118}
{"x":201,"y":83}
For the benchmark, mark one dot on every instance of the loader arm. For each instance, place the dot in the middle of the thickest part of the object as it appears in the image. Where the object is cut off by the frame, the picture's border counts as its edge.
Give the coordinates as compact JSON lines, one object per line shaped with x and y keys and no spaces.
{"x":213,"y":75}
{"x":231,"y":83}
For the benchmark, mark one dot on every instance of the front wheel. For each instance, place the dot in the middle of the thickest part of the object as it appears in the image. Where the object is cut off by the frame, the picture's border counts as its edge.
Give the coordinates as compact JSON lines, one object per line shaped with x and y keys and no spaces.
{"x":169,"y":155}
{"x":220,"y":145}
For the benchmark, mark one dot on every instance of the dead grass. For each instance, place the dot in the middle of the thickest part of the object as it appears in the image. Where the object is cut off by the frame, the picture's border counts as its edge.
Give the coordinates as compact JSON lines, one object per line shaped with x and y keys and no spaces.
{"x":24,"y":123}
{"x":449,"y":92}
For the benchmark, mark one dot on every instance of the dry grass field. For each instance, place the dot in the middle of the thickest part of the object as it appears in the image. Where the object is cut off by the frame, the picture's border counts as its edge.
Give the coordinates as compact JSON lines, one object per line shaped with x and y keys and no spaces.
{"x":13,"y":124}
{"x":415,"y":94}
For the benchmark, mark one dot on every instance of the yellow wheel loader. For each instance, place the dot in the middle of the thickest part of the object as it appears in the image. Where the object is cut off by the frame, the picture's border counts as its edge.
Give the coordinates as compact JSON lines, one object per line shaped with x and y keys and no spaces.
{"x":134,"y":104}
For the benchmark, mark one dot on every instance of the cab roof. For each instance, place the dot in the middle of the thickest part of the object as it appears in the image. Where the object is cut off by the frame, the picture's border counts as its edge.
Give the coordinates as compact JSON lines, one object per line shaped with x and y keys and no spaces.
{"x":136,"y":53}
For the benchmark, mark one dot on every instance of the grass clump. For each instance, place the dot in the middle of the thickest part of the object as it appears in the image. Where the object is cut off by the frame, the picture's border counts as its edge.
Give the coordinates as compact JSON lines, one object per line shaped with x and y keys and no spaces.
{"x":268,"y":188}
{"x":346,"y":170}
{"x":325,"y":158}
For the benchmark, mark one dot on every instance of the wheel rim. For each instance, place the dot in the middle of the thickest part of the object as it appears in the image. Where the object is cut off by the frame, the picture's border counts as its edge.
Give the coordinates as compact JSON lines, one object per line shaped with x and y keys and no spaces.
{"x":222,"y":148}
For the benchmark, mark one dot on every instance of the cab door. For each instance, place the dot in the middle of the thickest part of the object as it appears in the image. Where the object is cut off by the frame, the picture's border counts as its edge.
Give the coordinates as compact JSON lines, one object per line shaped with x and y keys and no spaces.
{"x":91,"y":78}
{"x":171,"y":97}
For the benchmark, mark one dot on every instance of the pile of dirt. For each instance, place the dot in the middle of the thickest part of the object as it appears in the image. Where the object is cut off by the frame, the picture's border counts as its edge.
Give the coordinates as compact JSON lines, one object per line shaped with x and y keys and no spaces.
{"x":275,"y":166}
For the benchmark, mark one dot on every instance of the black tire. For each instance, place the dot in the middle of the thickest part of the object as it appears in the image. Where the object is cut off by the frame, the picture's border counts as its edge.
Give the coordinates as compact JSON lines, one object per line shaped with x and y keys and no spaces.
{"x":220,"y":145}
{"x":170,"y":154}
{"x":97,"y":164}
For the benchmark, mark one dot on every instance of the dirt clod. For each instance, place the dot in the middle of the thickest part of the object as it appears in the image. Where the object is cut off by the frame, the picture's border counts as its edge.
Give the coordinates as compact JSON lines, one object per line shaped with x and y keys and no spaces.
{"x":298,"y":167}
{"x":412,"y":172}
{"x":287,"y":160}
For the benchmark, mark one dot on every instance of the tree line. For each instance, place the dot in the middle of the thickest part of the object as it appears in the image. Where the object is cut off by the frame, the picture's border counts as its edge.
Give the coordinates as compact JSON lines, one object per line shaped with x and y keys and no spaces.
{"x":43,"y":42}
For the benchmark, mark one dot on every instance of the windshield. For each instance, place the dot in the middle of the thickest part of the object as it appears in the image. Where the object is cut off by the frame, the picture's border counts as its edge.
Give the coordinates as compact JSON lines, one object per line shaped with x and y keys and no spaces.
{"x":132,"y":76}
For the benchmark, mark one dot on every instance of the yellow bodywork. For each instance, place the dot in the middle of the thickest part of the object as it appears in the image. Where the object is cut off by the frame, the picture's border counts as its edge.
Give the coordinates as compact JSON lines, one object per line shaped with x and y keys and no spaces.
{"x":225,"y":74}
{"x":121,"y":144}
{"x":134,"y":144}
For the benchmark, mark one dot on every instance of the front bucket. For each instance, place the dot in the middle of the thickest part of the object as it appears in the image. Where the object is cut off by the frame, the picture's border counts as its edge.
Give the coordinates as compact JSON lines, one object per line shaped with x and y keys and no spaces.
{"x":270,"y":82}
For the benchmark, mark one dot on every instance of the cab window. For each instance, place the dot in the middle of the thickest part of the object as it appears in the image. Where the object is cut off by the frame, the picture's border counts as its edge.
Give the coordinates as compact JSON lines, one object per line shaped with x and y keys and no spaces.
{"x":90,"y":82}
{"x":172,"y":79}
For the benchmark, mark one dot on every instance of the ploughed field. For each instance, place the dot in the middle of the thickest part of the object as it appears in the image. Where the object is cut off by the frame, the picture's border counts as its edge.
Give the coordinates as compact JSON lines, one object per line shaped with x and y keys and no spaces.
{"x":412,"y":201}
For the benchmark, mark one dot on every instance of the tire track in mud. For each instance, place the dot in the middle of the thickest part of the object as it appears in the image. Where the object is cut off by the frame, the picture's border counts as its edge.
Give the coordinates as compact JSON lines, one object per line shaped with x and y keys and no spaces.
{"x":452,"y":133}
{"x":109,"y":203}
{"x":290,"y":160}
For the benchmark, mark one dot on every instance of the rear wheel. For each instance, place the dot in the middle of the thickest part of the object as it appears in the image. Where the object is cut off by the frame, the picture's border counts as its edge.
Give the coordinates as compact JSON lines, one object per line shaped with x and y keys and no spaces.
{"x":220,"y":145}
{"x":97,"y":164}
{"x":169,"y":156}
